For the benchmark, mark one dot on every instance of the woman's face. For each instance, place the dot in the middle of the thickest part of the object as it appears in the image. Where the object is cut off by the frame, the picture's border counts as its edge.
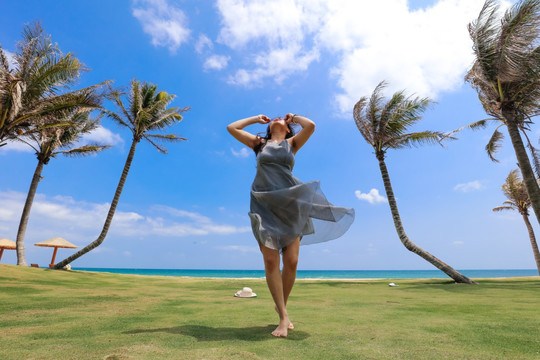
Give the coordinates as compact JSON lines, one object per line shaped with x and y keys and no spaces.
{"x":280,"y":123}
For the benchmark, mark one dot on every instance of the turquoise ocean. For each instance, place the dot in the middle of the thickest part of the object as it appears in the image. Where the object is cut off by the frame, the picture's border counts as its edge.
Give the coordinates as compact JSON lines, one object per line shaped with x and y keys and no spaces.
{"x":322,"y":274}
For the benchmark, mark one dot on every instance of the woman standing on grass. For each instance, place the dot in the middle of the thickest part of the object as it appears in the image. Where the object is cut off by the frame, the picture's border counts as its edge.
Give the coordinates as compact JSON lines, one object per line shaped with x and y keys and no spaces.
{"x":283,"y":209}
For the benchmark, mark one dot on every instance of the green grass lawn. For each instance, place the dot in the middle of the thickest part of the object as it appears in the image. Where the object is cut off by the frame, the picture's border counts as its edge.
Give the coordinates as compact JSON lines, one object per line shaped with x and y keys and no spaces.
{"x":51,"y":314}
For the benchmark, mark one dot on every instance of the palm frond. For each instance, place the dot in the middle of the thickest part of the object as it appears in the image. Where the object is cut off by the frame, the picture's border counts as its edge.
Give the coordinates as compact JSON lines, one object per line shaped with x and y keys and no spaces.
{"x":361,"y":120}
{"x":390,"y":111}
{"x":416,"y":139}
{"x":53,"y":75}
{"x":506,"y":72}
{"x":494,"y":144}
{"x":408,"y":113}
{"x":50,"y":125}
{"x":504,"y":208}
{"x":512,"y":184}
{"x":484,"y":32}
{"x":165,"y":119}
{"x":160,"y":103}
{"x":131,"y":123}
{"x":85,"y":150}
{"x":62,"y":105}
{"x":4,"y":63}
{"x":135,"y":98}
{"x":477,"y":125}
{"x":80,"y":124}
{"x":374,"y":105}
{"x":515,"y":191}
{"x":165,"y":138}
{"x":386,"y":124}
{"x":24,"y":140}
{"x":147,"y":112}
{"x":520,"y":27}
{"x":148,"y":92}
{"x":157,"y":109}
{"x":159,"y":148}
{"x":116,"y":117}
{"x":34,"y":48}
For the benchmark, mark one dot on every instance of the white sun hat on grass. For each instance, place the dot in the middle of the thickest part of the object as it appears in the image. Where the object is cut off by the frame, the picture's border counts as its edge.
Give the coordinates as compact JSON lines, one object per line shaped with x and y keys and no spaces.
{"x":245,"y":293}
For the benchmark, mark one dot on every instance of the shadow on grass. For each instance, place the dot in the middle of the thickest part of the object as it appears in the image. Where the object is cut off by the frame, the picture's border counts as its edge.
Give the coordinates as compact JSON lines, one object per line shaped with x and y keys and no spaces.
{"x":207,"y":333}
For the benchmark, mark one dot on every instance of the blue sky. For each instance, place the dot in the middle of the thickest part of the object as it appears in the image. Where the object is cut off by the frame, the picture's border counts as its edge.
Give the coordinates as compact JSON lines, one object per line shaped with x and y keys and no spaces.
{"x":232,"y":59}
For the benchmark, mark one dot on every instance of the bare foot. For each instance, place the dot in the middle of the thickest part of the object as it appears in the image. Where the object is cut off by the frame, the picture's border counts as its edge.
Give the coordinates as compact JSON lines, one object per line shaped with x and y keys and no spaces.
{"x":291,"y":326}
{"x":281,"y":330}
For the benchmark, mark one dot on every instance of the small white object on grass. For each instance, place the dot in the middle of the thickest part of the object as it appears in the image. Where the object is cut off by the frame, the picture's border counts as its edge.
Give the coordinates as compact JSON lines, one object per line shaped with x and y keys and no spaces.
{"x":245,"y":293}
{"x":392,"y":284}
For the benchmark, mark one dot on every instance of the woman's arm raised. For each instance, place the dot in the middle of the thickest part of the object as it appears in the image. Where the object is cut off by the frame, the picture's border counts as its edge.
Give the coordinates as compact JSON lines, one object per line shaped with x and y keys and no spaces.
{"x":308,"y":127}
{"x":246,"y":138}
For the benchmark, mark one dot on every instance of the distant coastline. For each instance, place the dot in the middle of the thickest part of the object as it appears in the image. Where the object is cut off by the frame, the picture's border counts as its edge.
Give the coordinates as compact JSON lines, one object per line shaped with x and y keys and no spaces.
{"x":320,"y":274}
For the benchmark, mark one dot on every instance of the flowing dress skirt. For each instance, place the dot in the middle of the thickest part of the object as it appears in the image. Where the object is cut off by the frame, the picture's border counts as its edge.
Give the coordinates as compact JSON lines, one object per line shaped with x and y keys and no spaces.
{"x":283,"y":208}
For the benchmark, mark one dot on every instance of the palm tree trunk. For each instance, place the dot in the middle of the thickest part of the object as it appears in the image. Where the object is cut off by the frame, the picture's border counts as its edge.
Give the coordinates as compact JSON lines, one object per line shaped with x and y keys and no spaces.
{"x":533,"y":241}
{"x":447,"y":269}
{"x":524,"y":164}
{"x":110,"y":214}
{"x":21,"y":257}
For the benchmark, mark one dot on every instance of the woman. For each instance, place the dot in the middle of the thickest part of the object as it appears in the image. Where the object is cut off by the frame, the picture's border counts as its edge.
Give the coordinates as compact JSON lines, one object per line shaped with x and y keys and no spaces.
{"x":283,"y":209}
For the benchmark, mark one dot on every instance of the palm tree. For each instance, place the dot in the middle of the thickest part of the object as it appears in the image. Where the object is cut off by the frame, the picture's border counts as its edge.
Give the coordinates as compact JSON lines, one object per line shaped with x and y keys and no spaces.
{"x":506,"y":75}
{"x":147,"y":113}
{"x":514,"y":190}
{"x":36,"y":85}
{"x":50,"y":141}
{"x":384,"y":126}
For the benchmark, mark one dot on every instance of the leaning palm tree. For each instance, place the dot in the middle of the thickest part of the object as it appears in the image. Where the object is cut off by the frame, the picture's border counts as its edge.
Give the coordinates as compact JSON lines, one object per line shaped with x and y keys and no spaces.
{"x":37,"y":85}
{"x":518,"y":199}
{"x":384,"y":126}
{"x":147,"y":113}
{"x":506,"y":75}
{"x":49,"y":142}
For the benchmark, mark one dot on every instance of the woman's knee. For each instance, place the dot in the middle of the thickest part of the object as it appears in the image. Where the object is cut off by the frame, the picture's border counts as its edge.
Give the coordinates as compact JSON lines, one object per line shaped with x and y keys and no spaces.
{"x":290,"y":260}
{"x":271,"y":260}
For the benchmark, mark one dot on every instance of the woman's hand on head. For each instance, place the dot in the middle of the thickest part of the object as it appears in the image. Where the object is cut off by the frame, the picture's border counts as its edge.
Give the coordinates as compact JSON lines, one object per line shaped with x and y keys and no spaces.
{"x":289,"y":118}
{"x":263,"y":119}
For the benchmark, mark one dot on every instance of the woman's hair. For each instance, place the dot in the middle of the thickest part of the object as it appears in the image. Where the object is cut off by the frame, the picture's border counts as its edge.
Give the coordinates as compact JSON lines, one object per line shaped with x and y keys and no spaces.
{"x":264,"y":139}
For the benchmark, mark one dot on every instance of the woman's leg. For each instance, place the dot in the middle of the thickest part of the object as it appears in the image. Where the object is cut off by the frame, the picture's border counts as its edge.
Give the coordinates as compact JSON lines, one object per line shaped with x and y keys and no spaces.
{"x":290,"y":262}
{"x":288,"y":274}
{"x":275,"y":285}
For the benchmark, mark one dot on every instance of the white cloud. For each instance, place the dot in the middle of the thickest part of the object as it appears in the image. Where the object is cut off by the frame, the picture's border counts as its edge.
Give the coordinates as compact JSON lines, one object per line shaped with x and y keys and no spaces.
{"x":10,"y":58}
{"x":102,"y":135}
{"x":202,"y":43}
{"x":81,"y":221}
{"x":470,"y":186}
{"x":425,"y":51}
{"x":99,"y":135}
{"x":166,"y":24}
{"x":372,"y":196}
{"x":284,"y":26}
{"x":458,"y":243}
{"x":216,"y":62}
{"x":276,"y":22}
{"x":371,"y":249}
{"x":239,"y":248}
{"x":243,"y":153}
{"x":182,"y":213}
{"x":15,"y":146}
{"x":277,"y":64}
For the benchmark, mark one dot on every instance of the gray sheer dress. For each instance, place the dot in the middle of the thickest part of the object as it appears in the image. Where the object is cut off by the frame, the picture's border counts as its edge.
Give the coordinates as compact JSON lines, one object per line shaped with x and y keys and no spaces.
{"x":283,"y":208}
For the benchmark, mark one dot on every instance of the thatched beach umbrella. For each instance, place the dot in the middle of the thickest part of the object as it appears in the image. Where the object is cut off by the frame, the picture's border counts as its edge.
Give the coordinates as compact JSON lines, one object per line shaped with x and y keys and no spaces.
{"x":56,"y":243}
{"x":6,"y":244}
